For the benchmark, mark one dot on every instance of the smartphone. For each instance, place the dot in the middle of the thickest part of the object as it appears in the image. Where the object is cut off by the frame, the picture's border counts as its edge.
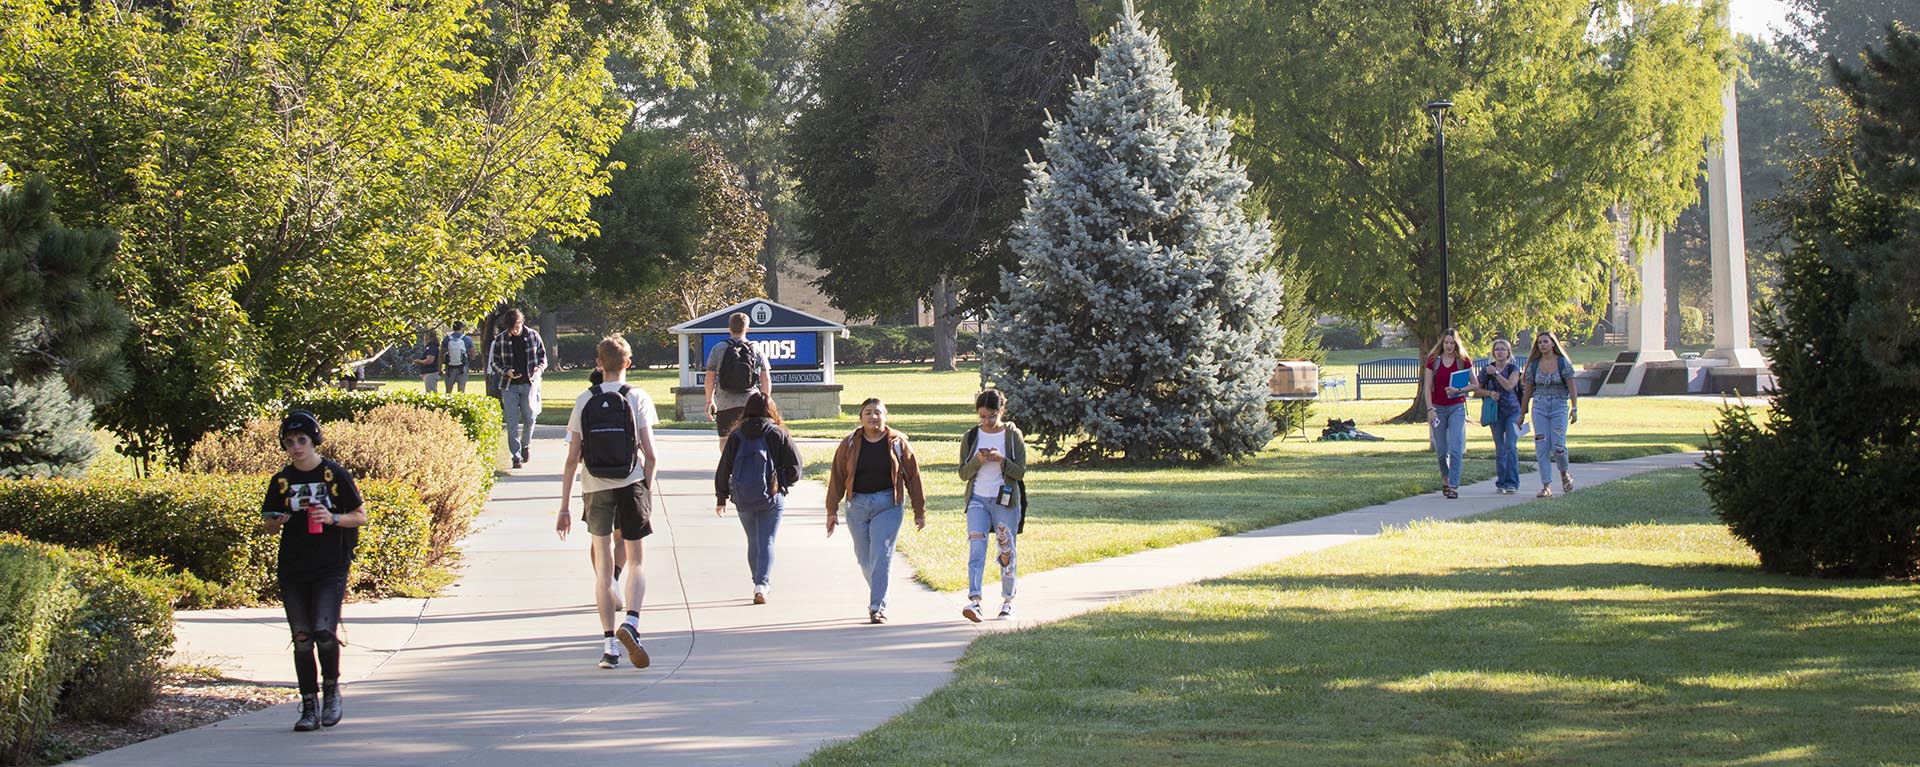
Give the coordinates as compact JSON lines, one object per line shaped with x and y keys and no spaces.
{"x":279,"y":516}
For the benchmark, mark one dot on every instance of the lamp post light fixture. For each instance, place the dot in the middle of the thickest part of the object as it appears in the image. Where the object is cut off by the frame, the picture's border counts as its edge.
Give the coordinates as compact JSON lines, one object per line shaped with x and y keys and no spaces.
{"x":1438,"y":109}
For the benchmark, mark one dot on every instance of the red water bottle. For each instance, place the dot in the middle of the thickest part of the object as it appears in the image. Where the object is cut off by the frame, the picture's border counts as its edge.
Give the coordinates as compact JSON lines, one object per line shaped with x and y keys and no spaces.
{"x":313,"y":525}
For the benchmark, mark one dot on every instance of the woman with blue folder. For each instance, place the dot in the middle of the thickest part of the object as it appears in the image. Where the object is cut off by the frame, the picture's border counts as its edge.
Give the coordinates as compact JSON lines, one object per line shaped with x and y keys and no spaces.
{"x":1446,"y":377}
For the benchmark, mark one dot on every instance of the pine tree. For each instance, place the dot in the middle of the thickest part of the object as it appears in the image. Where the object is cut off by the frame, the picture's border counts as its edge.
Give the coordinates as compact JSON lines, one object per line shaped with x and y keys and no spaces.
{"x":61,"y":335}
{"x":1140,"y":317}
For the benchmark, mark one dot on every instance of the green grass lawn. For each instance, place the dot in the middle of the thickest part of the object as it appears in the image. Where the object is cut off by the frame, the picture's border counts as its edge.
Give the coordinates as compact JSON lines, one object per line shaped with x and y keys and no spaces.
{"x":1618,"y":626}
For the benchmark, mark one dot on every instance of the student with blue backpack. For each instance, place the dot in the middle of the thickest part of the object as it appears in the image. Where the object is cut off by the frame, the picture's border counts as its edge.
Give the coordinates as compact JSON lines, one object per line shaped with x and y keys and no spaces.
{"x":758,"y":464}
{"x":611,"y":432}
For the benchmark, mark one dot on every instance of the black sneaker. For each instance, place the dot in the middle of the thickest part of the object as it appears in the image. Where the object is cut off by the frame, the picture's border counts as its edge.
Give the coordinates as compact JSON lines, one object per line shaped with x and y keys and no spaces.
{"x":630,"y":639}
{"x":516,"y":463}
{"x":330,"y":706}
{"x":526,"y":454}
{"x":609,"y":660}
{"x":309,"y":715}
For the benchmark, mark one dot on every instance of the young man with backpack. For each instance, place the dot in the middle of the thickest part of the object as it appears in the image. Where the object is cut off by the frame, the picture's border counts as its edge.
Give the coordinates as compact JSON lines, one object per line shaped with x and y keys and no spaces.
{"x":611,"y":432}
{"x":517,"y":359}
{"x":734,"y":370}
{"x":757,"y":466}
{"x":457,"y":350}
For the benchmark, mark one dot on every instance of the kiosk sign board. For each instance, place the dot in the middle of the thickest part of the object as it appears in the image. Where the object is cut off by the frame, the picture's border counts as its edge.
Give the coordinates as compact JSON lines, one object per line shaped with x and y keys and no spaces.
{"x":793,"y":357}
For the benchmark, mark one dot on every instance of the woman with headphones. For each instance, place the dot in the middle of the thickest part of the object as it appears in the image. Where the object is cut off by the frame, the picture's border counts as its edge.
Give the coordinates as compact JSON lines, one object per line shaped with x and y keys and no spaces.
{"x":315,"y":553}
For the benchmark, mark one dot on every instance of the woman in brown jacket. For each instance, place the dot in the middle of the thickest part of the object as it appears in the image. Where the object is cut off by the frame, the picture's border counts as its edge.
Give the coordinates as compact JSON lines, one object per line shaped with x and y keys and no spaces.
{"x":873,"y":469}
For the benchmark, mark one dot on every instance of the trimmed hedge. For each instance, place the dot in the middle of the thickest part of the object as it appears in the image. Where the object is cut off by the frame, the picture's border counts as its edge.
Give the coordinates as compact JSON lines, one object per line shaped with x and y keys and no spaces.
{"x":82,"y":635}
{"x":36,"y":606}
{"x":209,"y":527}
{"x":478,"y":414}
{"x":576,"y":350}
{"x":422,"y":449}
{"x":870,"y":344}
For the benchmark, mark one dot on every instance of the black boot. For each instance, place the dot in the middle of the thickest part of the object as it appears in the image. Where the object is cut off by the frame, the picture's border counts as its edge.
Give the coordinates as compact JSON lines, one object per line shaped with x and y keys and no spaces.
{"x":330,"y":712}
{"x":309,"y":715}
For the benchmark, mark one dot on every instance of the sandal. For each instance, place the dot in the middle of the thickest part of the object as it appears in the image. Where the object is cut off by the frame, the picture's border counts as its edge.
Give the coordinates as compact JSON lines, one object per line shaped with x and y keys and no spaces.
{"x":1449,"y":492}
{"x":1546,"y":491}
{"x":1566,"y":482}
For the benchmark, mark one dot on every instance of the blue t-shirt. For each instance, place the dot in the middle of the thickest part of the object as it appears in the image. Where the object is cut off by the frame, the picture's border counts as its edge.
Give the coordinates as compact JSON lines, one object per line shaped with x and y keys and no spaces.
{"x":1550,"y":379}
{"x":1507,"y":398}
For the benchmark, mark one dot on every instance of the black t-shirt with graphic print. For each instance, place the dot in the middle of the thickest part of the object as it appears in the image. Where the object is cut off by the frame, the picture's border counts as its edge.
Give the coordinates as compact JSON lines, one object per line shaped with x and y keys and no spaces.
{"x":290,"y":491}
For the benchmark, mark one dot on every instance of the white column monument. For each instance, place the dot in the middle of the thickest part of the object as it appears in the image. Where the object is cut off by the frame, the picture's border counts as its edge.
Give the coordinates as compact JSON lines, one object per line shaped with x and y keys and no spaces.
{"x":1732,"y":338}
{"x":1646,"y":322}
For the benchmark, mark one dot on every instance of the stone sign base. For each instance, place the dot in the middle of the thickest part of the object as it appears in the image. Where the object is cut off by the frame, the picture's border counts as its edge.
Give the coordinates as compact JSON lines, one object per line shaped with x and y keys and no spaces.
{"x":795,"y":401}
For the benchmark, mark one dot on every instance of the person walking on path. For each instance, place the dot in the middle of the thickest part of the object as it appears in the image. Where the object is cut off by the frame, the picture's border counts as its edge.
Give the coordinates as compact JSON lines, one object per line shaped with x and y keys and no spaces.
{"x":1550,"y":396}
{"x":1447,"y":407}
{"x":1500,"y":381}
{"x":873,"y":469}
{"x":611,"y":431}
{"x":518,"y":359}
{"x":457,"y":352}
{"x":734,"y":370}
{"x":315,"y":554}
{"x":427,"y":362}
{"x":993,"y":463}
{"x":758,"y":464}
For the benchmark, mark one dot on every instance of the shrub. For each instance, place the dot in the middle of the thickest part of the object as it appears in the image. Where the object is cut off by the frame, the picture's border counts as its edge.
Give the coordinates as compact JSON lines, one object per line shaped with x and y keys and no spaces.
{"x":478,"y":414}
{"x":36,"y":605}
{"x":421,"y":449}
{"x":208,"y":526}
{"x":45,"y":431}
{"x":870,"y":344}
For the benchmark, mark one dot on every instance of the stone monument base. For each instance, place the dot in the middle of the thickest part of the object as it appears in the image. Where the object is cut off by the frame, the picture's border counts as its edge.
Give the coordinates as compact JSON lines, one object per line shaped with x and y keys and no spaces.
{"x":795,"y":401}
{"x":1630,"y":370}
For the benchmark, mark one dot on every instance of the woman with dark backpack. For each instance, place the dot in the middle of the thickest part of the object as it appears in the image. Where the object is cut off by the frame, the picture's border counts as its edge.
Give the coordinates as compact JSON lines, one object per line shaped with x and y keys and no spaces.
{"x":758,"y":464}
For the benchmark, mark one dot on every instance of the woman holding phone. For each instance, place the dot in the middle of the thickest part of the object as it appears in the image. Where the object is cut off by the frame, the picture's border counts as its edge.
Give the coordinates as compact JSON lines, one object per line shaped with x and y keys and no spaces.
{"x":1447,"y":406}
{"x":993,"y":463}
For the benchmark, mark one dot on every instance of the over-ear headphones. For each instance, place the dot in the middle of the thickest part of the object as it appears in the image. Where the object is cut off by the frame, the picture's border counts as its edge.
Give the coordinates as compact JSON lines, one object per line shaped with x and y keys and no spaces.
{"x":301,"y":421}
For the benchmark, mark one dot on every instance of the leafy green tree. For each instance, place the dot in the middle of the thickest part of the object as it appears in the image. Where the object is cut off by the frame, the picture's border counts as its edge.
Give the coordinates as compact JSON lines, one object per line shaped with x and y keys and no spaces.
{"x":1823,"y":485}
{"x":1563,"y":109}
{"x":909,"y":161}
{"x":61,"y":331}
{"x":294,"y":179}
{"x":748,"y":117}
{"x":1841,"y":29}
{"x":1142,"y":315}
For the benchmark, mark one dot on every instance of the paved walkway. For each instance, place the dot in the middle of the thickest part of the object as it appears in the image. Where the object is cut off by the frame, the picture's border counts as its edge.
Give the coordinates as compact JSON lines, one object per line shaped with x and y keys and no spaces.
{"x":500,"y":670}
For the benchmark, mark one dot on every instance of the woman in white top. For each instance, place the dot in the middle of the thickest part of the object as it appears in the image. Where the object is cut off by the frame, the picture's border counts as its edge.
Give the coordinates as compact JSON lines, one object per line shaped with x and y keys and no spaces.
{"x":993,"y":462}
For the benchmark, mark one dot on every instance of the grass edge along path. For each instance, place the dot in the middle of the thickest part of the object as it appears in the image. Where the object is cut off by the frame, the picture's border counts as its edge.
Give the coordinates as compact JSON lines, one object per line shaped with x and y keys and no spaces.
{"x":1603,"y":628}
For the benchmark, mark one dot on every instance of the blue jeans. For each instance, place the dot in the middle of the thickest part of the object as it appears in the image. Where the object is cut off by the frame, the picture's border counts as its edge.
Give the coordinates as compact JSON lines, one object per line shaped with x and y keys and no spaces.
{"x":1002,"y":523}
{"x":516,"y":406}
{"x":1450,"y":440}
{"x":1506,"y":449}
{"x":874,"y":520}
{"x":761,"y":525}
{"x":1550,"y":436}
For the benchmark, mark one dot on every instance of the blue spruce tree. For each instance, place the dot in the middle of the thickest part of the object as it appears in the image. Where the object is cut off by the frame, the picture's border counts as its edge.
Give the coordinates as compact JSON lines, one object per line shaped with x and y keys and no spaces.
{"x":1141,"y":318}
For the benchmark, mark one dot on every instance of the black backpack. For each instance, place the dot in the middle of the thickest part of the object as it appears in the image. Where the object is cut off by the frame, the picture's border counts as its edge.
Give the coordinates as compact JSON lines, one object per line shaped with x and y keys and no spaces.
{"x":606,"y":434}
{"x":739,"y":367}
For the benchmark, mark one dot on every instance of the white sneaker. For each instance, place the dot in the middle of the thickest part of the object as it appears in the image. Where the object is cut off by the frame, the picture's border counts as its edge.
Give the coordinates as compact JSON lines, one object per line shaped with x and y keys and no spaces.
{"x":1006,"y":611}
{"x":972,"y":611}
{"x":628,"y":635}
{"x":610,"y":654}
{"x":760,"y":594}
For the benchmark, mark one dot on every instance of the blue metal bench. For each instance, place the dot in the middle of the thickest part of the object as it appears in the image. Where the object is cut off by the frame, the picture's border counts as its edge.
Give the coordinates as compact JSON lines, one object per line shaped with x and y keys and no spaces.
{"x":1388,"y":371}
{"x":1403,"y":370}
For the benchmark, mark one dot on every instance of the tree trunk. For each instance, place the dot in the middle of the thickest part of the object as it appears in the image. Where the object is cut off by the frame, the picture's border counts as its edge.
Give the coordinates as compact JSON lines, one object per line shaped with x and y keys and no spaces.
{"x":550,"y":333}
{"x":1416,"y":411}
{"x":946,"y":324}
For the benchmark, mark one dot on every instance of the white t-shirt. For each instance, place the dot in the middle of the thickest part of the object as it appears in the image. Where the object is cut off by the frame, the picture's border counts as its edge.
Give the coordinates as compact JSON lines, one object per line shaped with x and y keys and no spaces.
{"x":643,"y":419}
{"x":986,"y":483}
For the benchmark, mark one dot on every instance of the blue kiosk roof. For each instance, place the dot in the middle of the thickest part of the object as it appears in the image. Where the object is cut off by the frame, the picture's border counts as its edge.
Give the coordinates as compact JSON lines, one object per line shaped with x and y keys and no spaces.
{"x":764,"y":316}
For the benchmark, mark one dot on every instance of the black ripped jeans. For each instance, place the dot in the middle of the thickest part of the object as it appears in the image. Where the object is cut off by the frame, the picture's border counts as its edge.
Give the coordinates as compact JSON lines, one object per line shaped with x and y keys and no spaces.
{"x":313,"y":602}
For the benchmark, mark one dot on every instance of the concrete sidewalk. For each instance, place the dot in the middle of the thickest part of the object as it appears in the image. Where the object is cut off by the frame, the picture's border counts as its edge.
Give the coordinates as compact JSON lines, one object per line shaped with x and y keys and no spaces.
{"x":500,"y":670}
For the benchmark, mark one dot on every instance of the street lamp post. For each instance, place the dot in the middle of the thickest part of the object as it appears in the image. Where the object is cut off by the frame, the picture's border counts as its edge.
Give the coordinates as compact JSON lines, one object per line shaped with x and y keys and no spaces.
{"x":1438,"y":109}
